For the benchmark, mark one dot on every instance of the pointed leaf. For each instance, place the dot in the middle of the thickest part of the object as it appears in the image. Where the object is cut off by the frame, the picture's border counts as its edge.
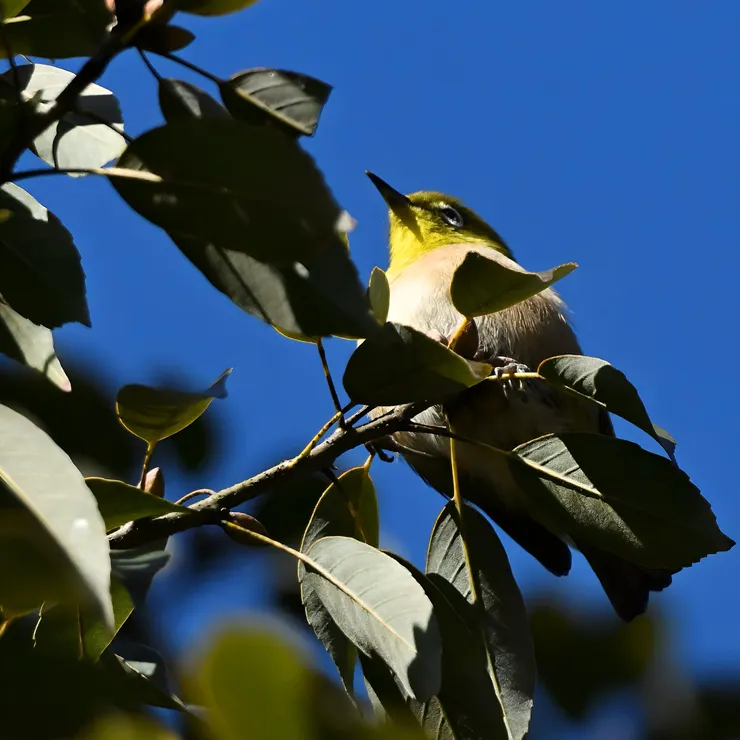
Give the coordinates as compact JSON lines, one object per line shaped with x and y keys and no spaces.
{"x":398,"y":365}
{"x":613,"y":494}
{"x":286,"y":99}
{"x":348,"y":508}
{"x":164,"y":39}
{"x":246,"y":188}
{"x":504,"y":623}
{"x":380,"y":608}
{"x":119,"y":502}
{"x":41,"y":277}
{"x":86,"y":137}
{"x":95,"y":638}
{"x":598,"y":380}
{"x":379,"y":293}
{"x":26,"y":342}
{"x":153,"y":414}
{"x":180,"y":100}
{"x":482,"y":286}
{"x":11,"y":8}
{"x":49,"y":512}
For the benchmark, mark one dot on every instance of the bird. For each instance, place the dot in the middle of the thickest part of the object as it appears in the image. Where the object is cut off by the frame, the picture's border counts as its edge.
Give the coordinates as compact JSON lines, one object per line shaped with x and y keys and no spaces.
{"x":429,"y":237}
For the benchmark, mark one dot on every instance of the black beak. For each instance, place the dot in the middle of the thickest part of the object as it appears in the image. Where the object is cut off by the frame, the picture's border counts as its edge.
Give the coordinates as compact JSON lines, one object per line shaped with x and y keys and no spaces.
{"x":396,"y":201}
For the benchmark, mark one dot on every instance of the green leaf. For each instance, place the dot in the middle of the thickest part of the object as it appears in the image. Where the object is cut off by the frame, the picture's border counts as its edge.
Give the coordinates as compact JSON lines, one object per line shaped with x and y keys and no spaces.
{"x":479,"y":570}
{"x":290,"y":100}
{"x":272,"y":702}
{"x":119,"y":502}
{"x":612,"y":494}
{"x":466,"y":707}
{"x":57,"y":29}
{"x":164,"y":39}
{"x":153,"y":414}
{"x":348,"y":508}
{"x":385,"y":694}
{"x":323,"y":297}
{"x":245,"y":188}
{"x":380,"y":608}
{"x":180,"y":100}
{"x":213,"y":7}
{"x":126,"y":727}
{"x":136,"y":567}
{"x":483,"y":285}
{"x":598,"y":380}
{"x":52,"y":538}
{"x":398,"y":365}
{"x":85,"y":138}
{"x":26,"y":342}
{"x":95,"y":637}
{"x":41,"y":277}
{"x":11,"y":8}
{"x":379,"y":294}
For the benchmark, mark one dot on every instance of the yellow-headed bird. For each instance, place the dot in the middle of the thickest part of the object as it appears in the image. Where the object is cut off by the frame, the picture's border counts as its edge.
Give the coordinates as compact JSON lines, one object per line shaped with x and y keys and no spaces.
{"x":430,"y":235}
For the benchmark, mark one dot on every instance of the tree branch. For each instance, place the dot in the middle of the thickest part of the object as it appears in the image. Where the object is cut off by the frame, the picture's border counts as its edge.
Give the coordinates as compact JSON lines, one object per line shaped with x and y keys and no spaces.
{"x":210,"y":510}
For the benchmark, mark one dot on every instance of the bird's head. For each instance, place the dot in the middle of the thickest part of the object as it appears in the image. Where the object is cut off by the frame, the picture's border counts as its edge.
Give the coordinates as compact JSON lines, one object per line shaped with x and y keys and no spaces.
{"x":426,"y":220}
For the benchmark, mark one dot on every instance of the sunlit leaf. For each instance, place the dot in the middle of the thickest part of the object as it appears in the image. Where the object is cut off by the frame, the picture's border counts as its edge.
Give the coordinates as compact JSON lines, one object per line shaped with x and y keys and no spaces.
{"x":398,"y":364}
{"x":41,"y":277}
{"x":485,"y":284}
{"x":380,"y":608}
{"x":85,"y":137}
{"x":51,"y":535}
{"x":120,"y":502}
{"x":349,"y":508}
{"x":287,"y":99}
{"x":598,"y":380}
{"x":154,"y":414}
{"x":26,"y":342}
{"x":379,"y":294}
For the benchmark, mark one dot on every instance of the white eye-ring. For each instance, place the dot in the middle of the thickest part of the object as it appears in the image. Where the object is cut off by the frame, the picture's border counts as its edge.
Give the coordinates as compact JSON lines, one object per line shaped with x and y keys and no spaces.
{"x":451,"y":216}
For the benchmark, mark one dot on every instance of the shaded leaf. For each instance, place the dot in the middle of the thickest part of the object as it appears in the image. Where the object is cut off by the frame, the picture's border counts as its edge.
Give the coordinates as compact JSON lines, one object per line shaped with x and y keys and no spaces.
{"x":26,"y":342}
{"x":120,"y":502}
{"x":164,"y":39}
{"x":41,"y":277}
{"x":213,"y":7}
{"x":58,"y":29}
{"x":613,"y":494}
{"x":95,"y":638}
{"x":246,"y":188}
{"x":320,"y":298}
{"x":483,"y":285}
{"x":385,"y":694}
{"x":11,"y":8}
{"x":153,"y":414}
{"x":380,"y":608}
{"x":287,"y":99}
{"x":51,"y":535}
{"x":398,"y":364}
{"x":379,"y":294}
{"x":81,"y":138}
{"x":348,"y":507}
{"x":136,"y":567}
{"x":241,"y":700}
{"x":479,"y":570}
{"x":598,"y":380}
{"x":127,"y":727}
{"x":180,"y":100}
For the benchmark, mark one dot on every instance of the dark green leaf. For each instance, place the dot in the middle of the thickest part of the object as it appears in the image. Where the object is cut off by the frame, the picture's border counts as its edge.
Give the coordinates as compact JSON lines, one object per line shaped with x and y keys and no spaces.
{"x":213,"y":7}
{"x":323,"y":297}
{"x":58,"y":29}
{"x":398,"y":364}
{"x":245,"y":188}
{"x":479,"y":570}
{"x":52,"y":537}
{"x":41,"y":277}
{"x":85,"y":138}
{"x":164,"y":39}
{"x":180,"y":100}
{"x":384,"y":692}
{"x":288,"y":99}
{"x":120,"y":502}
{"x":26,"y":342}
{"x":126,"y":727}
{"x":597,"y":379}
{"x":153,"y":414}
{"x":347,"y":508}
{"x":95,"y":638}
{"x":380,"y":608}
{"x":379,"y":294}
{"x":486,"y":284}
{"x":136,"y":567}
{"x":613,"y":494}
{"x":11,"y":8}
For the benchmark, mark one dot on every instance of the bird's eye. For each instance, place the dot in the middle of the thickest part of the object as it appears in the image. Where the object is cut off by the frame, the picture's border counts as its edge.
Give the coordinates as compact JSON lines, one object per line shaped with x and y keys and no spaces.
{"x":451,"y":216}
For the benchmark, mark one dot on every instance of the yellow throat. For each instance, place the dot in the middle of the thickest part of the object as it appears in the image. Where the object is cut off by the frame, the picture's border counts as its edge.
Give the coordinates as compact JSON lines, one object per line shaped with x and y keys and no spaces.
{"x":424,"y":221}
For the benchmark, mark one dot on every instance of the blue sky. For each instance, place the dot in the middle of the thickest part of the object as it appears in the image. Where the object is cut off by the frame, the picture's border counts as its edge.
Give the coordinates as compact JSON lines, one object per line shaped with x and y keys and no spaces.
{"x":603,"y":133}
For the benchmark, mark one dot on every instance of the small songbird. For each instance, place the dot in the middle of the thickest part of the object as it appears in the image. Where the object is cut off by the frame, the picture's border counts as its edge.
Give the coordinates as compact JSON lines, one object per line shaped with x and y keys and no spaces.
{"x":430,"y":235}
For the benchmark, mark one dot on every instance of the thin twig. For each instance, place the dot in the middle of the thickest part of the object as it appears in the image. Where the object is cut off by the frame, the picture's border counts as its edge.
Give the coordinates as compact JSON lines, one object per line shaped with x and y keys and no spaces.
{"x":330,"y":382}
{"x":189,"y":65}
{"x":194,"y":494}
{"x":103,"y":122}
{"x":149,"y":65}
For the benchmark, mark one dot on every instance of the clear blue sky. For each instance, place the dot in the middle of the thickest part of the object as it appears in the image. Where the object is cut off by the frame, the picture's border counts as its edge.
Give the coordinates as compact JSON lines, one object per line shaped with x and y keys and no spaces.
{"x":604,"y":133}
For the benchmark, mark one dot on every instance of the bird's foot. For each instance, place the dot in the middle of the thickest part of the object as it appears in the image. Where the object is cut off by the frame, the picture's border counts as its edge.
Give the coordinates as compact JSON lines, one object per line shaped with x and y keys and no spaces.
{"x":504,"y":369}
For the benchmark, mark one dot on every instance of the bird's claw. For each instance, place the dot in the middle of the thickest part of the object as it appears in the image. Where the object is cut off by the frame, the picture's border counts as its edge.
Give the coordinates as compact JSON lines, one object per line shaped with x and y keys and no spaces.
{"x":504,"y":369}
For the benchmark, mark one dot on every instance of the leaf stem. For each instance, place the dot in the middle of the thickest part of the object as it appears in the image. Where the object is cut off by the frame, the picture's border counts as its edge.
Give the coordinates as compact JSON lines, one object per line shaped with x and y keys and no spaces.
{"x":317,"y":437}
{"x":455,"y":338}
{"x":330,"y":382}
{"x":189,"y":65}
{"x":149,"y":65}
{"x":146,"y":463}
{"x":194,"y":494}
